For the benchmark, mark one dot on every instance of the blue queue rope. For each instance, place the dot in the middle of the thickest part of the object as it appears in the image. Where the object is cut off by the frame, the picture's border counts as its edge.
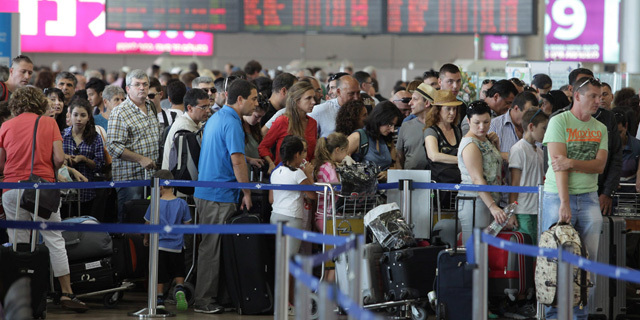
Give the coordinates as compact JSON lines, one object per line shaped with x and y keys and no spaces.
{"x":353,"y":309}
{"x":614,"y":272}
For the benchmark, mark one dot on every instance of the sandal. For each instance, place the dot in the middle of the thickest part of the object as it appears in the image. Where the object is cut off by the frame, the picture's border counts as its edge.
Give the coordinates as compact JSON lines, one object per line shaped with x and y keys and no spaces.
{"x":73,"y":303}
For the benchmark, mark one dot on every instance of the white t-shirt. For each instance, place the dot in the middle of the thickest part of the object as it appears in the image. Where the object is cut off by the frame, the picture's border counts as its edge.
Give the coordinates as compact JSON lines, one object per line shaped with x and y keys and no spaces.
{"x":288,"y":203}
{"x":522,"y":156}
{"x":170,"y":116}
{"x":274,"y":117}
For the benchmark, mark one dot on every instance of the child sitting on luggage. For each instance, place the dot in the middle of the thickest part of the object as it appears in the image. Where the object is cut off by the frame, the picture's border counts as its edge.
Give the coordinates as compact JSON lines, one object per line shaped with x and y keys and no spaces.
{"x":289,"y":205}
{"x":172,"y":211}
{"x":329,"y":152}
{"x":526,"y":165}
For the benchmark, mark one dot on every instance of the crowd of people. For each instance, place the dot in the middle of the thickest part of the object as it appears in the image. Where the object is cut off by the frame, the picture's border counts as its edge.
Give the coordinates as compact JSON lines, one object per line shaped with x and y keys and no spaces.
{"x":299,"y":128}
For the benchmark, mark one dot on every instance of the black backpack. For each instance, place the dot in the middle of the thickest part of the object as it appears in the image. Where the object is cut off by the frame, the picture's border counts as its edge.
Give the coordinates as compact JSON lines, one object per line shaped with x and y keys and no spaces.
{"x":184,"y":156}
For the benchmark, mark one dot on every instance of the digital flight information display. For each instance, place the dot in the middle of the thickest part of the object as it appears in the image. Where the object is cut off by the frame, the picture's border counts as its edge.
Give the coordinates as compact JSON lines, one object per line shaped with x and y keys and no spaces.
{"x":461,"y":16}
{"x":322,"y":16}
{"x":195,"y":15}
{"x":326,"y":16}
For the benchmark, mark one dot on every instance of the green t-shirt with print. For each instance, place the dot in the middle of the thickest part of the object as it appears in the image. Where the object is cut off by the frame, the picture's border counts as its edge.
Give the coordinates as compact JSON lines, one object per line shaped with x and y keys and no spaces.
{"x":583,"y":140}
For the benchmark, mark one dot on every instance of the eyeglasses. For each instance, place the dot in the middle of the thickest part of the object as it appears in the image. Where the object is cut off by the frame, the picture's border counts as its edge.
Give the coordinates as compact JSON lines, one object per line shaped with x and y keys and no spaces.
{"x":404,"y":100}
{"x":337,"y":76}
{"x":593,"y":81}
{"x":152,"y":95}
{"x":487,"y":81}
{"x":205,"y":107}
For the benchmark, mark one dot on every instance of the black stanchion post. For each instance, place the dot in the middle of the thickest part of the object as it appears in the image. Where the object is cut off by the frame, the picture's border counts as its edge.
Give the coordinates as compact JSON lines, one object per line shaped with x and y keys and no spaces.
{"x":152,"y":311}
{"x":564,"y":286}
{"x":282,"y":274}
{"x":480,"y":277}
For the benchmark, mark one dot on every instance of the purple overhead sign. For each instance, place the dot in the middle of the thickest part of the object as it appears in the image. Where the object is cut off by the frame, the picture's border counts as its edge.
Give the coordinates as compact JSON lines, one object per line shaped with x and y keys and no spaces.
{"x":574,"y":30}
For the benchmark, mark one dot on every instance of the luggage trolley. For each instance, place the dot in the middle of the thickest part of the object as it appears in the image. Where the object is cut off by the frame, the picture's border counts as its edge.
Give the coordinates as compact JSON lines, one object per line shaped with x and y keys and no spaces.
{"x":344,"y":215}
{"x":628,"y":201}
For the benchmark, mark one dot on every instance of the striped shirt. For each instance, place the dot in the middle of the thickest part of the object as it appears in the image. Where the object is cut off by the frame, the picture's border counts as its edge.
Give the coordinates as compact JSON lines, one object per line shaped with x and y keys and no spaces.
{"x":131,"y":129}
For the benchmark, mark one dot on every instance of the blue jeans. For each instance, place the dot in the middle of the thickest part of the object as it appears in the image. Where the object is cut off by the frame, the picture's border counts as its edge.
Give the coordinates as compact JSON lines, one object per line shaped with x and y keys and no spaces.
{"x":587,"y":220}
{"x":126,"y":194}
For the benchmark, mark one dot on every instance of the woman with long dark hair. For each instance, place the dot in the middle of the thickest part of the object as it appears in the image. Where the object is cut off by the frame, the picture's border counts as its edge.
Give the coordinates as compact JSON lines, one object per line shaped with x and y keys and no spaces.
{"x":83,"y":149}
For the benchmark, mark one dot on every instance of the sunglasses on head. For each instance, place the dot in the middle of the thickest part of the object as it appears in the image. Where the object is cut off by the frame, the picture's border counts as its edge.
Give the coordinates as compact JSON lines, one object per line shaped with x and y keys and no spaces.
{"x":228,"y":81}
{"x":404,"y":100}
{"x":337,"y":76}
{"x":487,"y":81}
{"x":517,"y":81}
{"x":592,"y":81}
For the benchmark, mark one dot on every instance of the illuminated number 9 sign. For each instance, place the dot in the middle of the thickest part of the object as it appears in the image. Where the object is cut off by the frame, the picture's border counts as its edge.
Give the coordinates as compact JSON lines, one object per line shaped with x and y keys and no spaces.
{"x":570,"y":16}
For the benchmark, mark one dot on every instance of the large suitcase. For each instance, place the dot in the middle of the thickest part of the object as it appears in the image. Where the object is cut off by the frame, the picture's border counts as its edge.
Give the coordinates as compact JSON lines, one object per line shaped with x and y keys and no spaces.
{"x":608,"y":300}
{"x":409,"y":273}
{"x":511,"y":273}
{"x":82,"y":246}
{"x":93,"y":275}
{"x":454,"y":280}
{"x":26,"y":263}
{"x":249,"y":268}
{"x":27,"y":260}
{"x":134,"y":210}
{"x":370,"y":280}
{"x":130,"y":257}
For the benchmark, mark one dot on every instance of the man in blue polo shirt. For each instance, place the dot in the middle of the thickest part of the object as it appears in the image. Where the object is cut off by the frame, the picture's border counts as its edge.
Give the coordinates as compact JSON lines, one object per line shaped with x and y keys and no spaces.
{"x":221,"y":160}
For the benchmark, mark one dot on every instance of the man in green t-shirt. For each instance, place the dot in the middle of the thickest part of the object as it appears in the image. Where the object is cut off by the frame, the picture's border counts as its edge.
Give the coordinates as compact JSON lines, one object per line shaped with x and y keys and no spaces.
{"x":577,"y":145}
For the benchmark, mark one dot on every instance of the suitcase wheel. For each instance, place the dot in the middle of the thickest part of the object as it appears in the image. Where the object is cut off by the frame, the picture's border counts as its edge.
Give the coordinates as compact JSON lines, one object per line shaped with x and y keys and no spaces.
{"x":418,"y":313}
{"x":315,"y":314}
{"x":110,"y":300}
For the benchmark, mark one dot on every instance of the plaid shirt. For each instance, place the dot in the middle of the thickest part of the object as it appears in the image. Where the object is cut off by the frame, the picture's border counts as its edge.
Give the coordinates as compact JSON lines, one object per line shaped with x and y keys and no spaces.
{"x":130,"y":128}
{"x":94,"y":151}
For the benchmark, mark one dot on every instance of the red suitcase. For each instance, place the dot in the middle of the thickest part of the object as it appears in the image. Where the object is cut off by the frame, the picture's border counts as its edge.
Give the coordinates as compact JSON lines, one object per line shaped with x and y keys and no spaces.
{"x":511,"y":273}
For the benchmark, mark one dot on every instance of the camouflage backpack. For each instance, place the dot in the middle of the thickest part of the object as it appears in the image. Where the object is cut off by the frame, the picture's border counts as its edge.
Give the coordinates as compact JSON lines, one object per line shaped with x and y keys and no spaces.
{"x":546,"y":275}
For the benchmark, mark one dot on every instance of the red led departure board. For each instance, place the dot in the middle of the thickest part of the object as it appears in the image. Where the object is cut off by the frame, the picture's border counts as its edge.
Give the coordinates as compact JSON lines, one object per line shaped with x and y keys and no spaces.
{"x":323,"y":16}
{"x":461,"y":16}
{"x":326,"y":16}
{"x":196,"y":15}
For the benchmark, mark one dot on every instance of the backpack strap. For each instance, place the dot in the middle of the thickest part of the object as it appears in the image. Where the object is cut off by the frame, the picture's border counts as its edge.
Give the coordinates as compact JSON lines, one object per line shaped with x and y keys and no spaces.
{"x":363,"y":147}
{"x":165,"y":118}
{"x":4,"y":91}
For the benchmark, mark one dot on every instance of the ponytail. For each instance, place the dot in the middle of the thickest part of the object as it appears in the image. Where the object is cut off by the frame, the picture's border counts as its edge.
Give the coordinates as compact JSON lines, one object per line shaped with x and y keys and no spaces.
{"x":326,"y":146}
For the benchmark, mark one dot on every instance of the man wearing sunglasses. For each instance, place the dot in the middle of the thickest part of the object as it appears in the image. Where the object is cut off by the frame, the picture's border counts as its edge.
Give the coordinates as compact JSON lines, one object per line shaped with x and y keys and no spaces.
{"x":401,"y":99}
{"x":206,"y":83}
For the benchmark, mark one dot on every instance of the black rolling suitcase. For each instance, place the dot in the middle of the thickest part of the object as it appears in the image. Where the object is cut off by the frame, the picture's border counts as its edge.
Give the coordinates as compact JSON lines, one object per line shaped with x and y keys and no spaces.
{"x":134,"y":210}
{"x":454,"y":280}
{"x":609,"y":296}
{"x":27,"y":260}
{"x":409,"y":273}
{"x":130,"y":257}
{"x":249,"y":268}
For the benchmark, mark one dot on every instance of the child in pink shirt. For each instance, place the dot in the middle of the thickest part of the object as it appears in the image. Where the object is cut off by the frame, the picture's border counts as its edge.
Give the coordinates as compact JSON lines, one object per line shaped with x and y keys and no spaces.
{"x":329,"y":152}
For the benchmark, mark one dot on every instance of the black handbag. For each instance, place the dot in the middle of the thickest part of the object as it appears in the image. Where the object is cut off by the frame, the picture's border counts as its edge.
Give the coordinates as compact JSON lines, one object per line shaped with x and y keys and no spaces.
{"x":49,"y":198}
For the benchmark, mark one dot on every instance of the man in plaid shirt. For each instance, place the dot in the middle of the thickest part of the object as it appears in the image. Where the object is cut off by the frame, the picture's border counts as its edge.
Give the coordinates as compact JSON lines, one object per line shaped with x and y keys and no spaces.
{"x":132,"y":138}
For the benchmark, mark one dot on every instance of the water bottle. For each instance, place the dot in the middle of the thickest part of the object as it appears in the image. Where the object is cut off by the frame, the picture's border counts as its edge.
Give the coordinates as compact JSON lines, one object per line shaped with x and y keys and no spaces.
{"x":494,"y":228}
